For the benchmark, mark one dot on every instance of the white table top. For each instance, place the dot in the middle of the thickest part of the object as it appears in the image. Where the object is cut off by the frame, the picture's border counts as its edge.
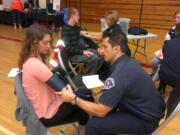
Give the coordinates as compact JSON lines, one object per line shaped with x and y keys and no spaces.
{"x":149,"y":35}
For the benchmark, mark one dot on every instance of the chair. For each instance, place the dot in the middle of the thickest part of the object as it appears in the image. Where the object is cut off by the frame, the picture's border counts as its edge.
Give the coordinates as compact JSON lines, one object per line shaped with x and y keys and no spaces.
{"x":173,"y":107}
{"x":24,"y":112}
{"x":61,"y":58}
{"x":124,"y":23}
{"x":65,"y":17}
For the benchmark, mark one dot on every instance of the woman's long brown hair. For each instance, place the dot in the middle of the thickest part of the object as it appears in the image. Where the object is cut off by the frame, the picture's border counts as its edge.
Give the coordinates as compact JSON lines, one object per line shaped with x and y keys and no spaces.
{"x":34,"y":34}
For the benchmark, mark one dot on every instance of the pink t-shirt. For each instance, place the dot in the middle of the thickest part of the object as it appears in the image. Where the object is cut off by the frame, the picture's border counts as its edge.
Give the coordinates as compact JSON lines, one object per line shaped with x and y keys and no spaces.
{"x":43,"y":99}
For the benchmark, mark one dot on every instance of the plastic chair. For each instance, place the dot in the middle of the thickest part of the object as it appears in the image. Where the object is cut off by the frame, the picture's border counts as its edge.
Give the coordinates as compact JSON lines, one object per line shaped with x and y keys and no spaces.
{"x":104,"y":25}
{"x":123,"y":22}
{"x":24,"y":112}
{"x":173,"y":107}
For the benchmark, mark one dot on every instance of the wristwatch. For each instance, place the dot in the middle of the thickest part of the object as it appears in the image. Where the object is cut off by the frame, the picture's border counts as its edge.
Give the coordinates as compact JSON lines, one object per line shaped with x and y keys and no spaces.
{"x":73,"y":102}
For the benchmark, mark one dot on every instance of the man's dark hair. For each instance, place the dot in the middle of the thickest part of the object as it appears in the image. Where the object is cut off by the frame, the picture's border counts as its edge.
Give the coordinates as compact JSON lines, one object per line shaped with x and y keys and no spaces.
{"x":117,"y":38}
{"x":178,"y":28}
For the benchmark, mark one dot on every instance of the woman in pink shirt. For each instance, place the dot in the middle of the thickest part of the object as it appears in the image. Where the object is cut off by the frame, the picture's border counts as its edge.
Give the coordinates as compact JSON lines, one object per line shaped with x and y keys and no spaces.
{"x":36,"y":76}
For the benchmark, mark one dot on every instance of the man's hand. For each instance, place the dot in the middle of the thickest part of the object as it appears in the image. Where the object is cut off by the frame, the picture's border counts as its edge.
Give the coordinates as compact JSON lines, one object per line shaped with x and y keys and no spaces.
{"x":66,"y":94}
{"x":160,"y":54}
{"x":87,"y":53}
{"x":84,"y":33}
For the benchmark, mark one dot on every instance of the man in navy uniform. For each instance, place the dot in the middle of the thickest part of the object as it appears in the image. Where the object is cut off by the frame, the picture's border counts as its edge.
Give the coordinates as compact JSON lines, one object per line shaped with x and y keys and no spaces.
{"x":130,"y":102}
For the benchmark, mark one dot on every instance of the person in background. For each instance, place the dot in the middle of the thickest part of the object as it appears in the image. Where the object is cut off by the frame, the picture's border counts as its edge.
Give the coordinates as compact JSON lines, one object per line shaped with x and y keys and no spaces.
{"x":27,"y":7}
{"x":40,"y":83}
{"x":80,"y":49}
{"x":111,"y":19}
{"x":130,"y":102}
{"x":155,"y":63}
{"x":16,"y":9}
{"x":169,"y":71}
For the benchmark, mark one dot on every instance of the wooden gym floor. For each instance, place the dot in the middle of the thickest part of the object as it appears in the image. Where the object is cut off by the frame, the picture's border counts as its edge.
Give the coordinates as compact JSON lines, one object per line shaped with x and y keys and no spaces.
{"x":10,"y":43}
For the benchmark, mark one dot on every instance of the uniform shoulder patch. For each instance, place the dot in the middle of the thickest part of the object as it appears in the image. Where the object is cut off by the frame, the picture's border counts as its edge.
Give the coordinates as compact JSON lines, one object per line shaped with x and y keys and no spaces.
{"x":110,"y":83}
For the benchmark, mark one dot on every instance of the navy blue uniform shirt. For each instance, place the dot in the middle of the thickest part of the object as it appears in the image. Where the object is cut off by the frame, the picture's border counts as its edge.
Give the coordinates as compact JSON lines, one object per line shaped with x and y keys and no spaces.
{"x":130,"y":88}
{"x":116,"y":27}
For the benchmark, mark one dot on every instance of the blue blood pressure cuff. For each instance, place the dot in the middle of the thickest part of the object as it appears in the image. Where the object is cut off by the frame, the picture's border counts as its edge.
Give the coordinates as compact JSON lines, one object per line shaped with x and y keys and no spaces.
{"x":55,"y":83}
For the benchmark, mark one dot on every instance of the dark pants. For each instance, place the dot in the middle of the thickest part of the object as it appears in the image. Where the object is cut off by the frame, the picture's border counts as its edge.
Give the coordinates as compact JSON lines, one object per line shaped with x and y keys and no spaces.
{"x":119,"y":122}
{"x":69,"y":113}
{"x":168,"y":79}
{"x":92,"y":63}
{"x":16,"y":17}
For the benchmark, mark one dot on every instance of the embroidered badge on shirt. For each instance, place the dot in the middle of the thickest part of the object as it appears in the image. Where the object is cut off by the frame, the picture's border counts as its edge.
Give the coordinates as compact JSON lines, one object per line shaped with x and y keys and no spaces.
{"x":110,"y":83}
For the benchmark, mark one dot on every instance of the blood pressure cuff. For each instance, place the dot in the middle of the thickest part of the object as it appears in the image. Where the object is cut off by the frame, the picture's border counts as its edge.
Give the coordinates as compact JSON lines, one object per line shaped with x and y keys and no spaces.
{"x":55,"y":83}
{"x":61,"y":74}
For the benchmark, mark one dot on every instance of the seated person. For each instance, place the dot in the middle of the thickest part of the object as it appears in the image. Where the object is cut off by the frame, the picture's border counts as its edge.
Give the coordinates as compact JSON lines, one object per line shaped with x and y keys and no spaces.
{"x":130,"y":102}
{"x":170,"y":65}
{"x":111,"y":18}
{"x":39,"y":82}
{"x":155,"y":63}
{"x":75,"y":44}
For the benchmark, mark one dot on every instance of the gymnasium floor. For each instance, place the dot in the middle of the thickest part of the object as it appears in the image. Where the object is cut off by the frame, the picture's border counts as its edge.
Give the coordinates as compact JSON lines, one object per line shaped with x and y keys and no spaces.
{"x":10,"y":43}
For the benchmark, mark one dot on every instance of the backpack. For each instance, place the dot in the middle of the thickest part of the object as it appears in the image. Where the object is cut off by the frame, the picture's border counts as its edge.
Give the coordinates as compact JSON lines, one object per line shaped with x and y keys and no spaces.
{"x":134,"y":30}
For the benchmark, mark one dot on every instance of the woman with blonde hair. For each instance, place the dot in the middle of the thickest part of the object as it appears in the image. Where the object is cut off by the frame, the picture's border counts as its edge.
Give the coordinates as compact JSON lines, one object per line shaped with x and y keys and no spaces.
{"x":111,"y":18}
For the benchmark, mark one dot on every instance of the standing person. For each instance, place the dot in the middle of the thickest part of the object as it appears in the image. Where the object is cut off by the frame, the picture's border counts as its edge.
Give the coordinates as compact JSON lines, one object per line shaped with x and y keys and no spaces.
{"x":130,"y":102}
{"x":40,"y":83}
{"x":16,"y":9}
{"x":169,"y":71}
{"x":156,"y":60}
{"x":75,"y":44}
{"x":111,"y":18}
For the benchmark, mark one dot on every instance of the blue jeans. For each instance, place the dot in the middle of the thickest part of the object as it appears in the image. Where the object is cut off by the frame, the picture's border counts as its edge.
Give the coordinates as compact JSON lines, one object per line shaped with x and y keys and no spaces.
{"x":120,"y":122}
{"x":155,"y":63}
{"x":16,"y":17}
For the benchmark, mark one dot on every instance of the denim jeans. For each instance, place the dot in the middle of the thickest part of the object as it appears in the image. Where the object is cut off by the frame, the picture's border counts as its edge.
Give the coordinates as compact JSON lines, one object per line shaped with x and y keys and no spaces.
{"x":155,"y":63}
{"x":16,"y":17}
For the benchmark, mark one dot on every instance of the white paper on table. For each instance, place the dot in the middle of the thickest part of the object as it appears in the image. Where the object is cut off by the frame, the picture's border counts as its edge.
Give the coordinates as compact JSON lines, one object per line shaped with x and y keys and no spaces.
{"x":92,"y":81}
{"x":13,"y":72}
